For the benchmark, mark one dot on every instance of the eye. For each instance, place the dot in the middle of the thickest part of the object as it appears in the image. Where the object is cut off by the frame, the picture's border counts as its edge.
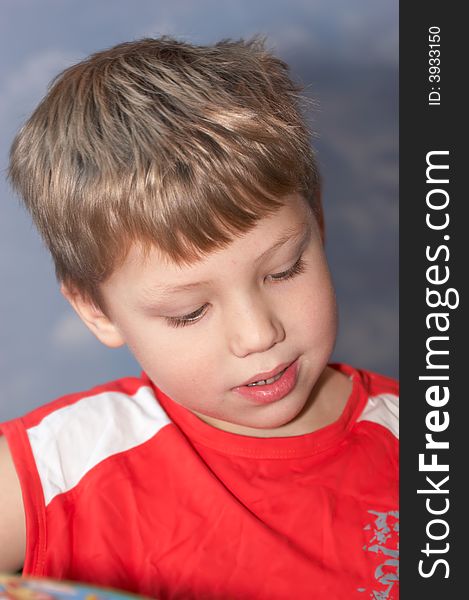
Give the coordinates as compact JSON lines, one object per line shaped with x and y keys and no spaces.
{"x":184,"y":320}
{"x":296,"y":269}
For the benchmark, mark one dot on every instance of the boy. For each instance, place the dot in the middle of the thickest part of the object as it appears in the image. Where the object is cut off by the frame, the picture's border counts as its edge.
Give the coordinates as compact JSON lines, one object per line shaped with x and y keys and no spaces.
{"x":178,"y":194}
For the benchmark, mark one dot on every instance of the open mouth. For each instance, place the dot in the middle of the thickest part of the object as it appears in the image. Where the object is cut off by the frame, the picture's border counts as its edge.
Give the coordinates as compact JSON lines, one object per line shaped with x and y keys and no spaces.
{"x":267,"y":381}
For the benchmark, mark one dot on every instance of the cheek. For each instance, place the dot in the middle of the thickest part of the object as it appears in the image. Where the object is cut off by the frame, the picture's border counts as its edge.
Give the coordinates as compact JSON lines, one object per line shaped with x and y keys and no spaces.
{"x":314,"y":312}
{"x":173,"y":362}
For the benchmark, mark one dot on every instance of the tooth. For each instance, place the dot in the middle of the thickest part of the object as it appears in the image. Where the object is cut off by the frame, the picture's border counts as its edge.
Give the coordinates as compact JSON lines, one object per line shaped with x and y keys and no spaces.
{"x":266,"y":381}
{"x":260,"y":382}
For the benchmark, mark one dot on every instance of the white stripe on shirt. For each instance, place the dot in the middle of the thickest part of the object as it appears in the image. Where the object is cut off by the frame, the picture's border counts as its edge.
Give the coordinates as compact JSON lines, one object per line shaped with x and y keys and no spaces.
{"x":72,"y":440}
{"x":384,"y":410}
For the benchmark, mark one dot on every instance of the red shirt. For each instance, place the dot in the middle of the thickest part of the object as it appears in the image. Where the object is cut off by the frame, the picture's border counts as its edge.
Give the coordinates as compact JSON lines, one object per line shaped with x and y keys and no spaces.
{"x":125,"y":488}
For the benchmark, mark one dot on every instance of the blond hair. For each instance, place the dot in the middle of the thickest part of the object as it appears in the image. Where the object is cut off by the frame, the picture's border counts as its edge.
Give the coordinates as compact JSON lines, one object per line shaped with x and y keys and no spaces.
{"x":161,"y":142}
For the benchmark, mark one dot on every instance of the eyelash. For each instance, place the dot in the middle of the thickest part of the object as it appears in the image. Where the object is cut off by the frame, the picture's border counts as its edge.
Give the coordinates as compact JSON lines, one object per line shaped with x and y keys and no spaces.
{"x":296,"y":269}
{"x":195,"y":316}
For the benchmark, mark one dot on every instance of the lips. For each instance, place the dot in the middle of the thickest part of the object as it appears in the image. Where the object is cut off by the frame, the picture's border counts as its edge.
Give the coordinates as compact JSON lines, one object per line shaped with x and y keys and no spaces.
{"x":283,"y":380}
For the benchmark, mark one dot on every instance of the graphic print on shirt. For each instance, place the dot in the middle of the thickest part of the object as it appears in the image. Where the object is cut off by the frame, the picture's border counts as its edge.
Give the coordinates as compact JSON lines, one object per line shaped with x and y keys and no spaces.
{"x":384,"y":541}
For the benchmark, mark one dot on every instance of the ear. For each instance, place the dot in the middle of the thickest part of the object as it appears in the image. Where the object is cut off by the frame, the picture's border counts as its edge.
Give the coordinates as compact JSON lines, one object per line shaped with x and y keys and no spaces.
{"x":93,"y":317}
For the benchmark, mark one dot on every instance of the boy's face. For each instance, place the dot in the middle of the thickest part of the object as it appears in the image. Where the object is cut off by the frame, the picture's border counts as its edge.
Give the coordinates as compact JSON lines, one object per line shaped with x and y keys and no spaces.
{"x":260,"y":307}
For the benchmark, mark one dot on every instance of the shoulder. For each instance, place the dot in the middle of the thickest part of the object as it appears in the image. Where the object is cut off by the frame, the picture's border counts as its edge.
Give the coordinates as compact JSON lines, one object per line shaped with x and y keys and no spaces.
{"x":51,"y":450}
{"x":74,"y":434}
{"x":73,"y":404}
{"x":379,"y":398}
{"x":382,"y":405}
{"x":64,"y":440}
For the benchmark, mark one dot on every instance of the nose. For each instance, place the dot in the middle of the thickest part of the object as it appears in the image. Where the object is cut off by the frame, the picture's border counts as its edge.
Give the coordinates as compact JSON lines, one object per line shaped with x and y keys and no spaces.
{"x":252,"y":326}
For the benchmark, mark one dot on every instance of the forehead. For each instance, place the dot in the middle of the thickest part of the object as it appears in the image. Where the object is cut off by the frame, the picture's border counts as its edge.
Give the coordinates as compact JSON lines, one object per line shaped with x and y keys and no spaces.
{"x":152,"y":272}
{"x":284,"y":222}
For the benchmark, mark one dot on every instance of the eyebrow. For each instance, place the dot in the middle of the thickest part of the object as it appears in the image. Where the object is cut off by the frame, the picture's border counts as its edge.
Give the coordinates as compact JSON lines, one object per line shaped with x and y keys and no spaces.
{"x":289,"y":236}
{"x":163,"y":291}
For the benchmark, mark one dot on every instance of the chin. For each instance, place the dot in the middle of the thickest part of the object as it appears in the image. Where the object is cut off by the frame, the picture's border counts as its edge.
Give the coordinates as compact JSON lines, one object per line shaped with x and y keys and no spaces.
{"x":278,"y":420}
